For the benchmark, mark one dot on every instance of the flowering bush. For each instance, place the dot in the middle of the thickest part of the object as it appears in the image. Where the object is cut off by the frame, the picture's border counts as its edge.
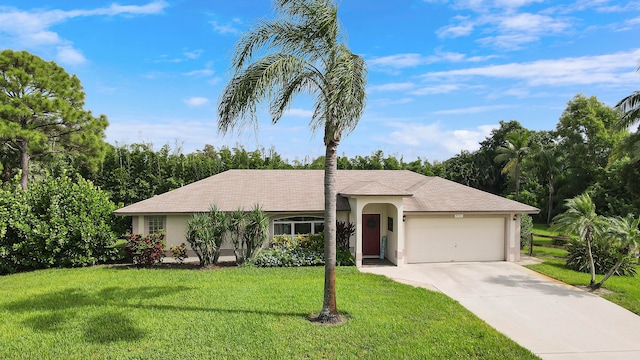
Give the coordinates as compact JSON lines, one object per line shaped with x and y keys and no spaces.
{"x":145,"y":250}
{"x":179,"y":252}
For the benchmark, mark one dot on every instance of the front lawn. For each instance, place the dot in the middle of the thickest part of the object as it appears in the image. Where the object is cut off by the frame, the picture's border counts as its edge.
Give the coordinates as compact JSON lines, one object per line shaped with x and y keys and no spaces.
{"x":123,"y":313}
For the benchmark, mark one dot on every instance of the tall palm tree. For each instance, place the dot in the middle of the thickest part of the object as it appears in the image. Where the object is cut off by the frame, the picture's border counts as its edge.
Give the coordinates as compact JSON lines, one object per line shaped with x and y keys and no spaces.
{"x":302,"y":51}
{"x":548,"y":164}
{"x":580,"y":219}
{"x":629,"y":108}
{"x":514,"y":151}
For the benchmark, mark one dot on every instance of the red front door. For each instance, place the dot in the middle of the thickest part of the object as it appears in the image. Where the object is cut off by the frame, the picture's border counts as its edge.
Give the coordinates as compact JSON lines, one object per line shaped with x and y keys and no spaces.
{"x":370,"y":234}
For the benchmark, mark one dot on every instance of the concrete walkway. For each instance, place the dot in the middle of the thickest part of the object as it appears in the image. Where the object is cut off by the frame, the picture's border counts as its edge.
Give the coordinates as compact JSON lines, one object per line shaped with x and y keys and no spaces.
{"x":550,"y":318}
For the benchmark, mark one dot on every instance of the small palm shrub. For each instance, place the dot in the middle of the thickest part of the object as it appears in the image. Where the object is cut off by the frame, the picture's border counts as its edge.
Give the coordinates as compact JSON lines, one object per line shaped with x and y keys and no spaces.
{"x":206,"y":233}
{"x":146,"y":250}
{"x":604,"y":257}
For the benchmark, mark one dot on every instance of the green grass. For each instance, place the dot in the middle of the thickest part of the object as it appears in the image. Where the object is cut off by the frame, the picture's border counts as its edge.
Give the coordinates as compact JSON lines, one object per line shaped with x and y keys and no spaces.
{"x":625,"y":290}
{"x":121,"y":313}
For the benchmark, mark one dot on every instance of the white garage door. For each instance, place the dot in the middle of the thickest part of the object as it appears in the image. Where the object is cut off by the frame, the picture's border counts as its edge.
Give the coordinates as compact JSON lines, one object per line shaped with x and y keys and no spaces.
{"x":431,"y":239}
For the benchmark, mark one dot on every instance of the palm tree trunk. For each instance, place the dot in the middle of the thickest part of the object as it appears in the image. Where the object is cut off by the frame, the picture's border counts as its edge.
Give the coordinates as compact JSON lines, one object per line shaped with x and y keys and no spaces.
{"x":23,"y":146}
{"x":329,"y":311}
{"x":608,"y":274}
{"x":550,"y":201}
{"x":518,"y":181}
{"x":592,"y":266}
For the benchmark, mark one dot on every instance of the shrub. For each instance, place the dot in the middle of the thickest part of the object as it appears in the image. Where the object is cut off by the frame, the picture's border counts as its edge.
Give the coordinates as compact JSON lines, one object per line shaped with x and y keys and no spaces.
{"x":59,"y":222}
{"x":294,"y":257}
{"x":256,"y":231}
{"x":344,"y":231}
{"x":311,"y":242}
{"x":604,"y":257}
{"x":179,"y":252}
{"x":284,"y":242}
{"x":146,"y":250}
{"x":300,"y":250}
{"x":526,"y":227}
{"x":206,"y":233}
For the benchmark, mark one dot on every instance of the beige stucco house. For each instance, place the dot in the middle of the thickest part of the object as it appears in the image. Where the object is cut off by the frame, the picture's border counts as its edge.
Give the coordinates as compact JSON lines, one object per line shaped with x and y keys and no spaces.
{"x":408,"y":217}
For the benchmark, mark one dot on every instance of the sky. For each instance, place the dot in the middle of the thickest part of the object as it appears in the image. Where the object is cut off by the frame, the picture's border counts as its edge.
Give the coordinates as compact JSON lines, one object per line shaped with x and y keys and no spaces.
{"x":441,"y":73}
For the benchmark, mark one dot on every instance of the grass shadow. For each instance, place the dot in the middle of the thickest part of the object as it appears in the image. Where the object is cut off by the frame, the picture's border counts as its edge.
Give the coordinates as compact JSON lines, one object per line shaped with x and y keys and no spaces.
{"x":111,"y":327}
{"x":58,"y":310}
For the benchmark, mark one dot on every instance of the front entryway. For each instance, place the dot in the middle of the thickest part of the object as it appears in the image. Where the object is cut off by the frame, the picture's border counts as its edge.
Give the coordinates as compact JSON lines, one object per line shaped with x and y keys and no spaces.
{"x":371,"y":234}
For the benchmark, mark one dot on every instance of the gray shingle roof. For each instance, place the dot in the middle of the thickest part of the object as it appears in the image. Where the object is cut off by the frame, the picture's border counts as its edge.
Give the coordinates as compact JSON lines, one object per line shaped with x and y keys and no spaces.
{"x":303,"y":191}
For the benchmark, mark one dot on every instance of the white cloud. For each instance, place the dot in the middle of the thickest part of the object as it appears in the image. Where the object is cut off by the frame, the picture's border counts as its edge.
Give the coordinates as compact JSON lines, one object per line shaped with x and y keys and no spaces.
{"x":299,"y":113}
{"x":500,"y":23}
{"x":224,"y":29}
{"x":193,"y":54}
{"x":196,"y":101}
{"x":634,"y":21}
{"x":438,"y":89}
{"x":200,"y":73}
{"x":397,"y":61}
{"x":409,"y":60}
{"x":436,"y":140}
{"x":392,"y":87}
{"x":463,"y":27}
{"x":390,"y":102}
{"x":600,"y":69}
{"x":32,"y":29}
{"x":472,"y":110}
{"x":69,"y":55}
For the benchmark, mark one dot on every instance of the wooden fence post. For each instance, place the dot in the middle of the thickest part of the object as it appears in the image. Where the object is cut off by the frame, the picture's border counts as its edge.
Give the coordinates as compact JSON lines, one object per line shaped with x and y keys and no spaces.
{"x":531,"y":244}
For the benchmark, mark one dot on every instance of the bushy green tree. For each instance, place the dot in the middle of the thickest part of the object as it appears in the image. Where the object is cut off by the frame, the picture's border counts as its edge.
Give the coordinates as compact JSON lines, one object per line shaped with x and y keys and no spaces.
{"x":41,"y":112}
{"x":61,"y":222}
{"x":586,"y":139}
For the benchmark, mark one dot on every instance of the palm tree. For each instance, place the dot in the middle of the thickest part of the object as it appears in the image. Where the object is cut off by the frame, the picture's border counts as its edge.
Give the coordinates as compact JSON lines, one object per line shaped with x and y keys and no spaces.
{"x":302,"y":51}
{"x":581,"y":220}
{"x":548,"y":164}
{"x":629,"y":108}
{"x":624,"y":232}
{"x":517,"y":147}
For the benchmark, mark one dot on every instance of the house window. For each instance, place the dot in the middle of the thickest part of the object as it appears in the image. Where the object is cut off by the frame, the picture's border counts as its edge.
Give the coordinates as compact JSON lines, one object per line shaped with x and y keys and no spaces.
{"x":298,"y":225}
{"x":390,"y":223}
{"x":155,"y":224}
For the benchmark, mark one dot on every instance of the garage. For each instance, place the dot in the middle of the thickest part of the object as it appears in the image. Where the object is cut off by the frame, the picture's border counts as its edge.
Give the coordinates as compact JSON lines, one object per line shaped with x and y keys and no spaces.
{"x":460,"y":238}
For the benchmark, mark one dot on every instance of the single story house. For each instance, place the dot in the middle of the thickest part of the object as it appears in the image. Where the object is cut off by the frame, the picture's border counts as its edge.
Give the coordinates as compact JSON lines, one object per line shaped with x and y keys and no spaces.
{"x":421,"y":218}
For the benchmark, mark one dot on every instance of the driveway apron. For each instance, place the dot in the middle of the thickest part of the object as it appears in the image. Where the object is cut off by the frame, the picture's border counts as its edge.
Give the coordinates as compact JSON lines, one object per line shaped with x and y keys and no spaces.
{"x":552,"y":319}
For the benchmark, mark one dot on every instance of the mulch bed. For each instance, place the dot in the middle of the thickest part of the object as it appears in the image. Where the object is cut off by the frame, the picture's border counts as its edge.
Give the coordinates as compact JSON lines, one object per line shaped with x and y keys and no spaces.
{"x":175,"y":265}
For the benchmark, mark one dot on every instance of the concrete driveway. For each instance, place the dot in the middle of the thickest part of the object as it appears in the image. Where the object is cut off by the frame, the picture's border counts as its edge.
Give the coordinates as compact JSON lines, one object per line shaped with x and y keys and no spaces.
{"x":550,"y":318}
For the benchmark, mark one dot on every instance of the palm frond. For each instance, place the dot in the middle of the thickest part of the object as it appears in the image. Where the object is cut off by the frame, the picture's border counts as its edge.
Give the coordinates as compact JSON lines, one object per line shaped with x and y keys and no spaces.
{"x":629,"y":108}
{"x":259,"y":81}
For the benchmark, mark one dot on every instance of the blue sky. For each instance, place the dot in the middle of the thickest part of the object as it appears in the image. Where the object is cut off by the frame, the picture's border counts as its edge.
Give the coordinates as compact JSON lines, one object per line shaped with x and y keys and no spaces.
{"x":442,"y":73}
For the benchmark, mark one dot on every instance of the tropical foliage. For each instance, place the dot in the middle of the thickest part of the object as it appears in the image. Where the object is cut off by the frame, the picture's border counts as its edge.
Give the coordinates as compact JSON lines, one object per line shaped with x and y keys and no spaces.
{"x":44,"y":226}
{"x":614,"y":239}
